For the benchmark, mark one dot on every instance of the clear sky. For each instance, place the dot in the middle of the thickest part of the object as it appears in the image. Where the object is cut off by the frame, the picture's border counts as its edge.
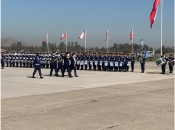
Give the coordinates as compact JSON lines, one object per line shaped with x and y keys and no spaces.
{"x":29,"y":20}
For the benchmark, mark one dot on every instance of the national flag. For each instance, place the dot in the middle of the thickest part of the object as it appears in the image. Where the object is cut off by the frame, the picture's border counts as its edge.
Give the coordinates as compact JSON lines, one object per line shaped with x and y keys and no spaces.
{"x":154,"y":12}
{"x":63,"y":36}
{"x":82,"y":35}
{"x":131,"y":34}
{"x":106,"y":36}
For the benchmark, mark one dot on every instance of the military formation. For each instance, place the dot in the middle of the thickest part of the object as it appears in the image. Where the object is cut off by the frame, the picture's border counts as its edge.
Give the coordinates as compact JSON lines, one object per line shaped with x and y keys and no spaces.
{"x":60,"y":62}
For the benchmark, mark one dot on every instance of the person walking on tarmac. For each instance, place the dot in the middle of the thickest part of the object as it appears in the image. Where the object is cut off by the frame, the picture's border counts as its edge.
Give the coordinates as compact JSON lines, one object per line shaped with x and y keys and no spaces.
{"x":37,"y":66}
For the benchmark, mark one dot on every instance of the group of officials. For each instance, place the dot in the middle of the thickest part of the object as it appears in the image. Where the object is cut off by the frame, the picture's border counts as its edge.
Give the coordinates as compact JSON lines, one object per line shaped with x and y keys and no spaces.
{"x":78,"y":61}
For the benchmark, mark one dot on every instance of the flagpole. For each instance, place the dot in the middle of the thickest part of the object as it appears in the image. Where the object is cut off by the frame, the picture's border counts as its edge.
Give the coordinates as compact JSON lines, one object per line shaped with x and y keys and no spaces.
{"x":107,"y":40}
{"x":66,"y":41}
{"x":161,"y":26}
{"x":85,"y":40}
{"x":132,"y":38}
{"x":47,"y":42}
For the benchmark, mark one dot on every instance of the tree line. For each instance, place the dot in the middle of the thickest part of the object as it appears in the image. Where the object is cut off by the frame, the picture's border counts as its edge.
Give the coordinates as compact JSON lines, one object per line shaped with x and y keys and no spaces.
{"x":75,"y":47}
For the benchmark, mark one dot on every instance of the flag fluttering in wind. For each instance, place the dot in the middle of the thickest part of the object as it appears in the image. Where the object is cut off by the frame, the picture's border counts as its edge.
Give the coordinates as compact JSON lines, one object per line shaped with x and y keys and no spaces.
{"x":63,"y":36}
{"x":82,"y":35}
{"x":131,"y":34}
{"x":106,"y":36}
{"x":154,"y":12}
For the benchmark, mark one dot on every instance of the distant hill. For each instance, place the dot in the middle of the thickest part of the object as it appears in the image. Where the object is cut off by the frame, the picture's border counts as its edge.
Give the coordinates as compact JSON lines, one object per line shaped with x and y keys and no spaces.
{"x":7,"y":42}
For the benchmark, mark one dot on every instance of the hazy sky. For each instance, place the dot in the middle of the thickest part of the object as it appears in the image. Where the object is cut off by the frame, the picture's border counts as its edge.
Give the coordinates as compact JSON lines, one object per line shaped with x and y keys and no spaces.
{"x":29,"y":20}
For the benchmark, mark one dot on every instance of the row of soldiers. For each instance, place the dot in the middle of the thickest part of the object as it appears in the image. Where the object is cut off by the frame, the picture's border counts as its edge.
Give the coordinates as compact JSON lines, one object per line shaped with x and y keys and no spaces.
{"x":95,"y":61}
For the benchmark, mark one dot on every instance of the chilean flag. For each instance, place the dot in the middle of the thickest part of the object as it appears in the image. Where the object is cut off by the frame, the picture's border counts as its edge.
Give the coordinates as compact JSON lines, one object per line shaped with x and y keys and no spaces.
{"x":106,"y":36}
{"x":82,"y":35}
{"x":63,"y":36}
{"x":154,"y":12}
{"x":131,"y":34}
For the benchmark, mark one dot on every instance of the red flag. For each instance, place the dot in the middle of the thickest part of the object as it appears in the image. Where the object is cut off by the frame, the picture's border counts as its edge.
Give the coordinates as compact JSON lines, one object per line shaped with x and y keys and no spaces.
{"x":63,"y":36}
{"x":82,"y":35}
{"x":131,"y":34}
{"x":154,"y":12}
{"x":106,"y":36}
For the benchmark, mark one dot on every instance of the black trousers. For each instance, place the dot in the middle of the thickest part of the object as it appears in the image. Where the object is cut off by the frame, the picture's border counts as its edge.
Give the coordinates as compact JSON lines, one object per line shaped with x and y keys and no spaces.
{"x":81,"y":67}
{"x":94,"y":66}
{"x":170,"y":68}
{"x":37,"y":68}
{"x":16,"y":64}
{"x":74,"y":68}
{"x":2,"y":63}
{"x":59,"y":67}
{"x":90,"y":66}
{"x":53,"y":68}
{"x":163,"y":68}
{"x":142,"y":66}
{"x":132,"y":66}
{"x":7,"y":63}
{"x":66,"y":68}
{"x":99,"y":67}
{"x":85,"y":66}
{"x":78,"y":67}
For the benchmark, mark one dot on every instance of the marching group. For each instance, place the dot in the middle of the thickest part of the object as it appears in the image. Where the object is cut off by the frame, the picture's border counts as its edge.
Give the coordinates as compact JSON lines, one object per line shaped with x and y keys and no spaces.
{"x":78,"y":61}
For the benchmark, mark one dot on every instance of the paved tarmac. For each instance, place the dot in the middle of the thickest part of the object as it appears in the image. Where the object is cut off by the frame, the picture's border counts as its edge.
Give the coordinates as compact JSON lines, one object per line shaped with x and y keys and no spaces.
{"x":93,"y":101}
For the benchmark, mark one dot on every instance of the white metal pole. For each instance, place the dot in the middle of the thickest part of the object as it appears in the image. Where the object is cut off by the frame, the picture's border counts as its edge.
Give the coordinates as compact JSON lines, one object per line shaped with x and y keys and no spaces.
{"x":47,"y":42}
{"x":132,"y":38}
{"x":85,"y":41}
{"x":161,"y":26}
{"x":107,"y":40}
{"x":66,"y":41}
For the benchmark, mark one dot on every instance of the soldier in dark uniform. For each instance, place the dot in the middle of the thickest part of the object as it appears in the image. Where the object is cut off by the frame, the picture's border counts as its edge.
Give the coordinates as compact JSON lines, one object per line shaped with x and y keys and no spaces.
{"x":164,"y":65}
{"x":132,"y":59}
{"x":90,"y":61}
{"x":37,"y":66}
{"x":142,"y":62}
{"x":171,"y":58}
{"x":128,"y":60}
{"x":2,"y":60}
{"x":73,"y":64}
{"x":53,"y":66}
{"x":7,"y":60}
{"x":78,"y":59}
{"x":66,"y":65}
{"x":59,"y":62}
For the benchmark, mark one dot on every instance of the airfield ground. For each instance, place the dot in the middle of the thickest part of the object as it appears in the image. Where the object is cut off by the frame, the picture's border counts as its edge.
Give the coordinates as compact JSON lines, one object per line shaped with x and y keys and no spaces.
{"x":93,"y":101}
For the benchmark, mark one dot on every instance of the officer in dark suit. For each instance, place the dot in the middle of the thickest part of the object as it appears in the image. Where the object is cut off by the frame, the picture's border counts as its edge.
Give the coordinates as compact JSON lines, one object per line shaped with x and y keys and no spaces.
{"x":37,"y":65}
{"x":53,"y":66}
{"x":132,"y":59}
{"x":2,"y":60}
{"x":73,"y":64}
{"x":164,"y":65}
{"x":171,"y":58}
{"x":142,"y":62}
{"x":66,"y":65}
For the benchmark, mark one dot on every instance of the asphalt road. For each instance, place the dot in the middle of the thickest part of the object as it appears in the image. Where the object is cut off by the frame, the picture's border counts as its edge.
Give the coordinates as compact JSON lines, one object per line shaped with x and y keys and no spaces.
{"x":93,"y":101}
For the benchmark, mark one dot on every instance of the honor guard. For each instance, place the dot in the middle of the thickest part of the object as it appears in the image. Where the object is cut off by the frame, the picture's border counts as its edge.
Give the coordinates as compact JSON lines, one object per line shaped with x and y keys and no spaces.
{"x":73,"y":64}
{"x":60,"y":62}
{"x":171,"y":59}
{"x":163,"y":66}
{"x":37,"y":66}
{"x":132,"y":59}
{"x":142,"y":62}
{"x":53,"y":65}
{"x":66,"y":65}
{"x":2,"y":60}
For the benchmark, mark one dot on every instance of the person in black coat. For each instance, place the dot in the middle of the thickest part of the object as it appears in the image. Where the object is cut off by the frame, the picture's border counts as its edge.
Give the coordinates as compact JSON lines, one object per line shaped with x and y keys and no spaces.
{"x":2,"y":60}
{"x":163,"y":67}
{"x":142,"y":62}
{"x":171,"y":58}
{"x":66,"y":65}
{"x":73,"y":64}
